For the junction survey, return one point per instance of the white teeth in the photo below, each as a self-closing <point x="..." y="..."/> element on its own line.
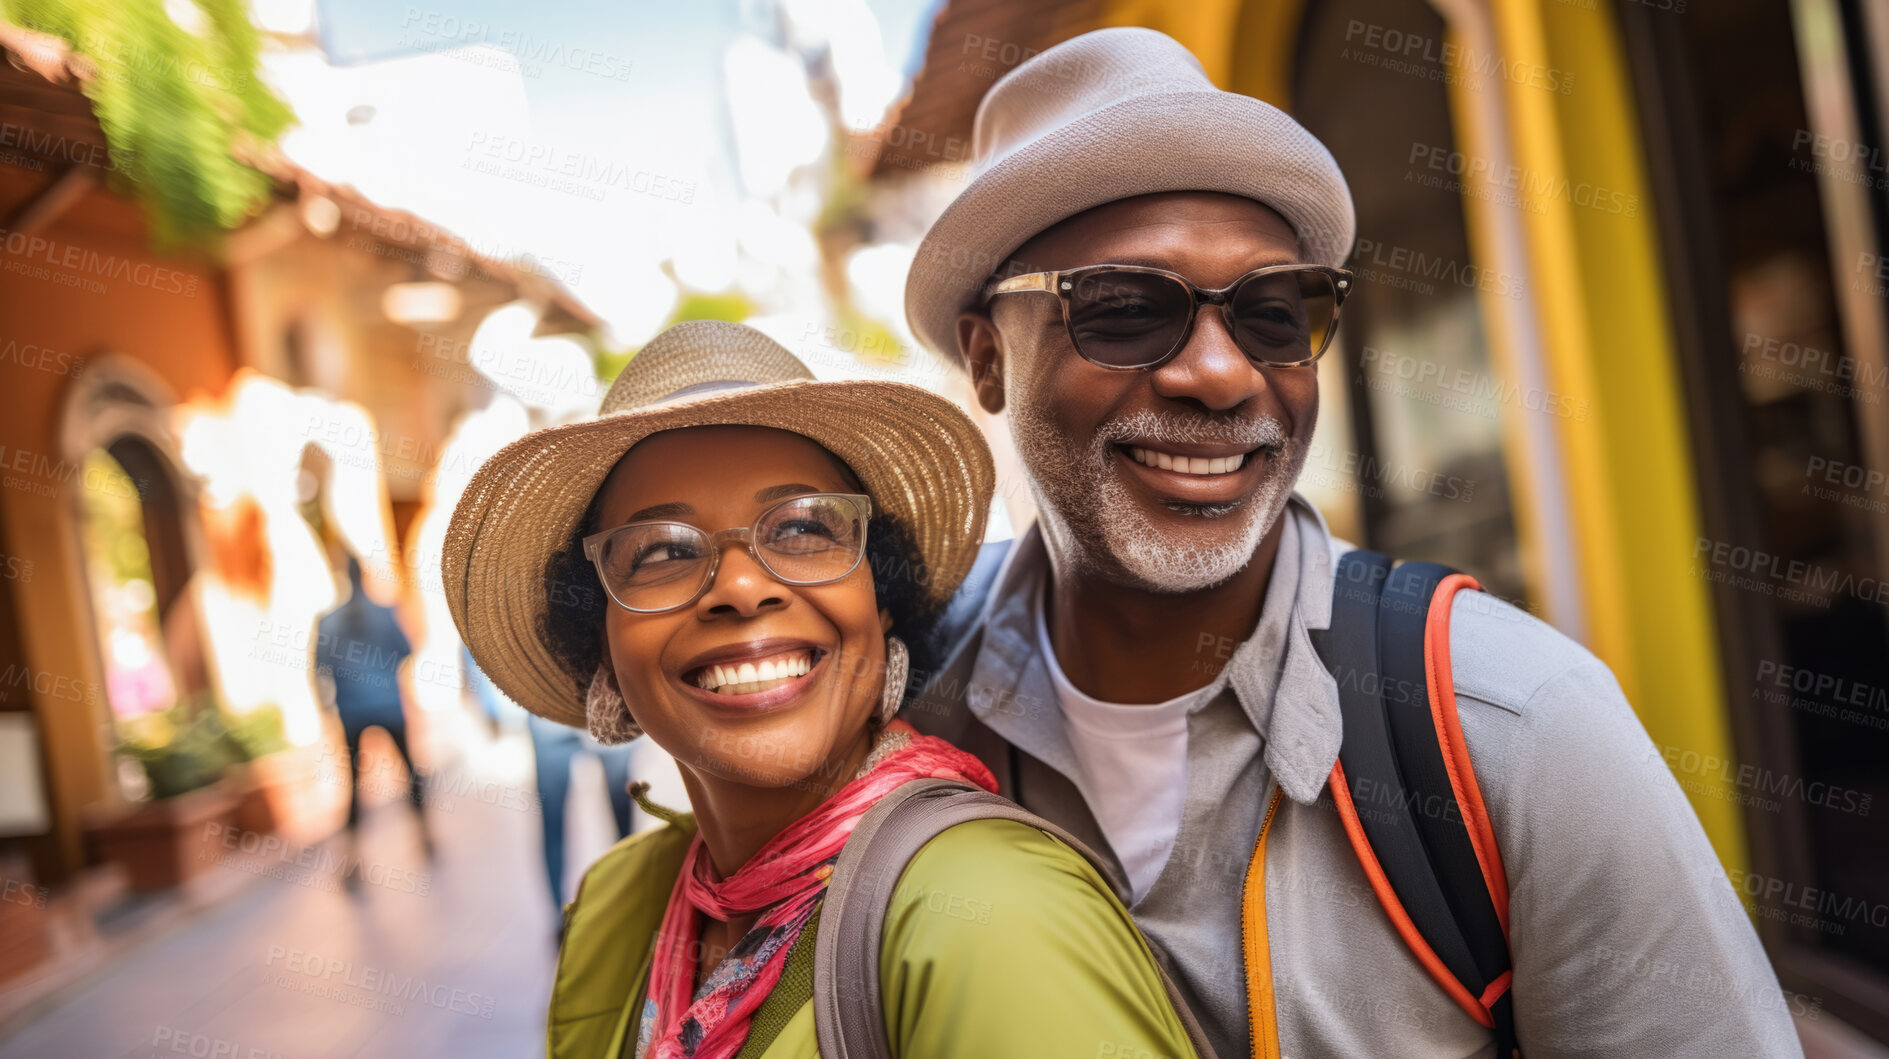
<point x="1188" y="464"/>
<point x="746" y="677"/>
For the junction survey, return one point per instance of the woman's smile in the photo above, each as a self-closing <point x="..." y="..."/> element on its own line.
<point x="753" y="675"/>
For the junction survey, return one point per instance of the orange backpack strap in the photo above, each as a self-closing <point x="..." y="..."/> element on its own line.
<point x="1404" y="785"/>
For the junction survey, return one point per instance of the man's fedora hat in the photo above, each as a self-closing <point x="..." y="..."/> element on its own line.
<point x="1110" y="115"/>
<point x="921" y="460"/>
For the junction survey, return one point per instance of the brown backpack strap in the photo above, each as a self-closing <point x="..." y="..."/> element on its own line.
<point x="848" y="1012"/>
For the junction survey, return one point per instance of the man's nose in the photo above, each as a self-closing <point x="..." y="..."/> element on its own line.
<point x="1210" y="370"/>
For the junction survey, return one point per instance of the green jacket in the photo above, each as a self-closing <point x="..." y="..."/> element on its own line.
<point x="999" y="941"/>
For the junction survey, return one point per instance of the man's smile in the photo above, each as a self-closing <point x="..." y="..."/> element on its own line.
<point x="1215" y="474"/>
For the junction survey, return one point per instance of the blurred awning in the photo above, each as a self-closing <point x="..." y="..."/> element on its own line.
<point x="973" y="43"/>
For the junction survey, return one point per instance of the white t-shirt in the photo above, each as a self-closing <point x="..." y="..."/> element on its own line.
<point x="1134" y="767"/>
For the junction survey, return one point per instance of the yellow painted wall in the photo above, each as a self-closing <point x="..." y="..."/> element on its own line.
<point x="1594" y="256"/>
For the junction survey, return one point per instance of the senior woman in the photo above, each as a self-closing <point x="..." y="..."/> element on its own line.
<point x="730" y="558"/>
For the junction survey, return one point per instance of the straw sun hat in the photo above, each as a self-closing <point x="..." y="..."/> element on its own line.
<point x="1110" y="115"/>
<point x="921" y="460"/>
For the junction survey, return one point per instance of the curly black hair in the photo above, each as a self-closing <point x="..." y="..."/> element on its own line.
<point x="571" y="624"/>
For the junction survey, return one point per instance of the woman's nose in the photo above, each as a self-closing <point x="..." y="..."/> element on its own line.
<point x="742" y="586"/>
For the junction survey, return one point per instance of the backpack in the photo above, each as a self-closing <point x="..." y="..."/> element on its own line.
<point x="1423" y="837"/>
<point x="848" y="1016"/>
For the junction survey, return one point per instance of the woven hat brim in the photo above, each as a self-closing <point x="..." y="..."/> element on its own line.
<point x="921" y="459"/>
<point x="1182" y="141"/>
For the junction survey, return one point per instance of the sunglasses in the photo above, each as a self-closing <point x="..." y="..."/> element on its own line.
<point x="657" y="566"/>
<point x="1131" y="318"/>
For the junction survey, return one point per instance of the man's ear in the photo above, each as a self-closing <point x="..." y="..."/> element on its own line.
<point x="977" y="340"/>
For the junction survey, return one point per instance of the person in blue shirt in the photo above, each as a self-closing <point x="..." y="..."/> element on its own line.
<point x="360" y="646"/>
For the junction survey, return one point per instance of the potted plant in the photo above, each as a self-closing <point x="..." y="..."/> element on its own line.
<point x="277" y="782"/>
<point x="183" y="753"/>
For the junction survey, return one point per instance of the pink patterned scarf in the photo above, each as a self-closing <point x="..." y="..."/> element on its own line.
<point x="784" y="881"/>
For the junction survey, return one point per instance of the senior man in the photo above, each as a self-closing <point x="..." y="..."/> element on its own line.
<point x="1140" y="277"/>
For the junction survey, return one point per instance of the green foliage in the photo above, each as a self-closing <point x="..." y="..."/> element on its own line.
<point x="113" y="527"/>
<point x="258" y="733"/>
<point x="733" y="307"/>
<point x="177" y="109"/>
<point x="183" y="748"/>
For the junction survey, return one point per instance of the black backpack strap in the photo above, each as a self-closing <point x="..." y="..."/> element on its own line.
<point x="848" y="1012"/>
<point x="1396" y="785"/>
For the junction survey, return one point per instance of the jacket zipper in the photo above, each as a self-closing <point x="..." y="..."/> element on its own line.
<point x="1253" y="944"/>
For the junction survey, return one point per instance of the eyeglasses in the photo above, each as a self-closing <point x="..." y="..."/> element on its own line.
<point x="1131" y="318"/>
<point x="651" y="567"/>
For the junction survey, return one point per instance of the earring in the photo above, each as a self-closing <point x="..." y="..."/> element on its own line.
<point x="898" y="664"/>
<point x="606" y="714"/>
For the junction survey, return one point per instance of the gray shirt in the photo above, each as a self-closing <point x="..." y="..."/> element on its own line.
<point x="1627" y="938"/>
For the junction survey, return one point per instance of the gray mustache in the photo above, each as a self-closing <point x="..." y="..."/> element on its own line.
<point x="1184" y="428"/>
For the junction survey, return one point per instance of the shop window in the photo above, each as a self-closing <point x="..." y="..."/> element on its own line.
<point x="1783" y="376"/>
<point x="1409" y="454"/>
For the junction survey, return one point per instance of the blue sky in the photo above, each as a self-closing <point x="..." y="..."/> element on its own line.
<point x="419" y="117"/>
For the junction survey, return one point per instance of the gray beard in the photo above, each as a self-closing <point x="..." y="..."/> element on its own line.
<point x="1093" y="524"/>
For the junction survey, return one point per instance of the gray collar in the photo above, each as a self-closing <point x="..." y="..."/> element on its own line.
<point x="1275" y="674"/>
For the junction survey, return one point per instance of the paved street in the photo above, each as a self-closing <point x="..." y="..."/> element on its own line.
<point x="448" y="957"/>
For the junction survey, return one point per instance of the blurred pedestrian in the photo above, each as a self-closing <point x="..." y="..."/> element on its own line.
<point x="360" y="647"/>
<point x="554" y="746"/>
